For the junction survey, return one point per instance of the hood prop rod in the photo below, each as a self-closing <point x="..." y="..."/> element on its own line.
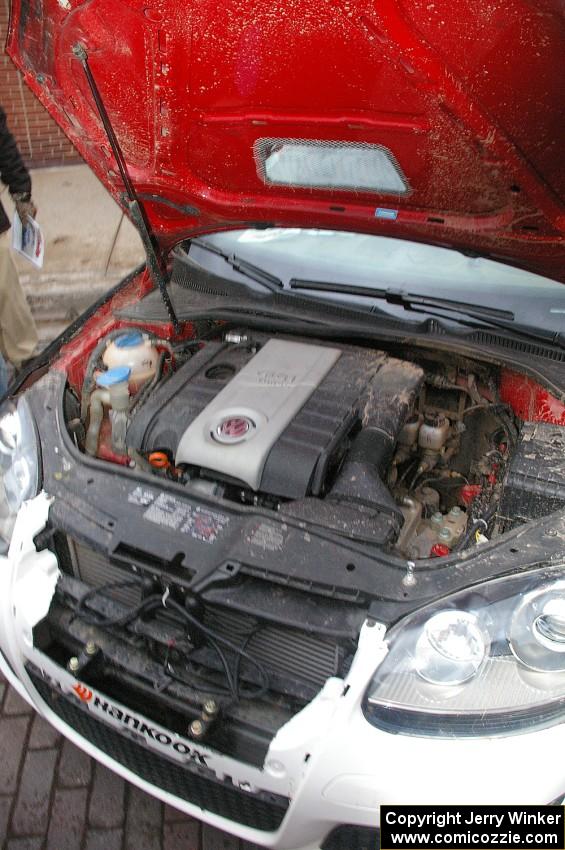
<point x="155" y="263"/>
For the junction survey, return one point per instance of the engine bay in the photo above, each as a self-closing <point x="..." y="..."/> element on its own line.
<point x="230" y="507"/>
<point x="413" y="455"/>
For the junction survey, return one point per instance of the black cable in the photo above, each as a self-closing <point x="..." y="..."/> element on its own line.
<point x="155" y="601"/>
<point x="100" y="619"/>
<point x="410" y="465"/>
<point x="239" y="651"/>
<point x="231" y="690"/>
<point x="503" y="411"/>
<point x="238" y="657"/>
<point x="193" y="682"/>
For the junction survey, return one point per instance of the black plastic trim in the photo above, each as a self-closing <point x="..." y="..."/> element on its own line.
<point x="350" y="837"/>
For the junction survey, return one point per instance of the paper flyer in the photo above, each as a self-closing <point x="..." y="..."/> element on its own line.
<point x="28" y="240"/>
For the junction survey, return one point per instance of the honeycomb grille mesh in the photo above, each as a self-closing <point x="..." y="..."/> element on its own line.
<point x="349" y="837"/>
<point x="263" y="811"/>
<point x="323" y="164"/>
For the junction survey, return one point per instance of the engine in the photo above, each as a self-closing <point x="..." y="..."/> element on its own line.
<point x="284" y="421"/>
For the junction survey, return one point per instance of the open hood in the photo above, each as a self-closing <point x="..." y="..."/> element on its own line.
<point x="423" y="119"/>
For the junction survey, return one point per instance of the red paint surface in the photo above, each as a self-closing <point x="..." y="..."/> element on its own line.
<point x="529" y="400"/>
<point x="468" y="96"/>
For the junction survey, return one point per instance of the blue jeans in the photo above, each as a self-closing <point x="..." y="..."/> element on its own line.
<point x="3" y="377"/>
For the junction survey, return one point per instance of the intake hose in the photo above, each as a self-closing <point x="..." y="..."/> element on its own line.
<point x="362" y="475"/>
<point x="389" y="401"/>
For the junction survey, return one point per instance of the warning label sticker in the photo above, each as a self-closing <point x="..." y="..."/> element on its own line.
<point x="198" y="522"/>
<point x="141" y="496"/>
<point x="267" y="537"/>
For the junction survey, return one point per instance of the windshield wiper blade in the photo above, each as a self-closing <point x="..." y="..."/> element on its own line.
<point x="250" y="270"/>
<point x="463" y="312"/>
<point x="408" y="300"/>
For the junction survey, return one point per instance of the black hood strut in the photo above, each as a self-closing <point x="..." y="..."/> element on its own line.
<point x="155" y="260"/>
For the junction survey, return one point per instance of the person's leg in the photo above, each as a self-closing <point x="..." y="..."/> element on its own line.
<point x="18" y="334"/>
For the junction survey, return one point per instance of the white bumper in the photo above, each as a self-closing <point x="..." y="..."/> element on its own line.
<point x="332" y="764"/>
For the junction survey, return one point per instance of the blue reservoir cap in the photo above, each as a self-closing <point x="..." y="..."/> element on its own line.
<point x="114" y="376"/>
<point x="129" y="340"/>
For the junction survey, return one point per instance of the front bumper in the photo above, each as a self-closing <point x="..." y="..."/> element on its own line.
<point x="326" y="767"/>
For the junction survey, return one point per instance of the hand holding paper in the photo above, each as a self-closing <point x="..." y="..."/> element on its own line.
<point x="27" y="239"/>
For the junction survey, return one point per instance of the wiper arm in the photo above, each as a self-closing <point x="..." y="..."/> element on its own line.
<point x="253" y="272"/>
<point x="408" y="300"/>
<point x="465" y="313"/>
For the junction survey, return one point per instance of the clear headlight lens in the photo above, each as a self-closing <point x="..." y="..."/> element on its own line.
<point x="19" y="464"/>
<point x="490" y="660"/>
<point x="450" y="649"/>
<point x="537" y="629"/>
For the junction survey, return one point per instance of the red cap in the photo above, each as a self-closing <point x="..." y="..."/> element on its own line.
<point x="468" y="492"/>
<point x="439" y="550"/>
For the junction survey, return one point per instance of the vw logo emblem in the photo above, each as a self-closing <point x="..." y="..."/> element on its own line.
<point x="233" y="429"/>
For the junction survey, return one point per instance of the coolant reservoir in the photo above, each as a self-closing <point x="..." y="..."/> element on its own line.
<point x="134" y="350"/>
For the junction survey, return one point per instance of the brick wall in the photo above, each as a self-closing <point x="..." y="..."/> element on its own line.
<point x="39" y="139"/>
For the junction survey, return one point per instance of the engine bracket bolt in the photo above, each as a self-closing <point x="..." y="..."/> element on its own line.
<point x="197" y="729"/>
<point x="210" y="708"/>
<point x="73" y="664"/>
<point x="409" y="578"/>
<point x="91" y="648"/>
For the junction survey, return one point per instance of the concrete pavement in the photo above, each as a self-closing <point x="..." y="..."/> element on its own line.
<point x="88" y="247"/>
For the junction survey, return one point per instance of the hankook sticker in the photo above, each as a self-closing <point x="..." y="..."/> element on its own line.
<point x="198" y="522"/>
<point x="141" y="728"/>
<point x="134" y="725"/>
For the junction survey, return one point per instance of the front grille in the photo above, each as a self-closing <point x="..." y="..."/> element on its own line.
<point x="349" y="837"/>
<point x="288" y="653"/>
<point x="263" y="811"/>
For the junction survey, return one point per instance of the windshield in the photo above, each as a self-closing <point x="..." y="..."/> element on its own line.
<point x="385" y="263"/>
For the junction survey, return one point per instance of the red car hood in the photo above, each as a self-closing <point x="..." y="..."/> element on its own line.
<point x="449" y="118"/>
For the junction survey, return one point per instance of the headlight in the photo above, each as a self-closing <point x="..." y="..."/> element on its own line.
<point x="450" y="649"/>
<point x="19" y="464"/>
<point x="486" y="661"/>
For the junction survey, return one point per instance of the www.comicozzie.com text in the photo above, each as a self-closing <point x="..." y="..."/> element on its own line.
<point x="485" y="829"/>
